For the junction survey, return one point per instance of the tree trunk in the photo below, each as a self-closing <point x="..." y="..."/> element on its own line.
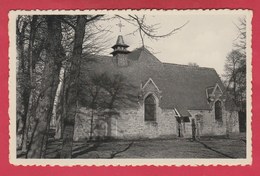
<point x="30" y="92"/>
<point x="50" y="81"/>
<point x="91" y="124"/>
<point x="63" y="101"/>
<point x="73" y="86"/>
<point x="21" y="76"/>
<point x="58" y="108"/>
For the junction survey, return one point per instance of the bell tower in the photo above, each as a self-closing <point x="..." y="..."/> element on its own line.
<point x="120" y="52"/>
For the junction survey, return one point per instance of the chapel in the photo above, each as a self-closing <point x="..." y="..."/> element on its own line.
<point x="166" y="99"/>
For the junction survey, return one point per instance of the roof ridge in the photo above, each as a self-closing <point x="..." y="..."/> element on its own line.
<point x="184" y="65"/>
<point x="98" y="55"/>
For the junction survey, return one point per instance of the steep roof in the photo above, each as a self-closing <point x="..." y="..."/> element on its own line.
<point x="187" y="86"/>
<point x="182" y="87"/>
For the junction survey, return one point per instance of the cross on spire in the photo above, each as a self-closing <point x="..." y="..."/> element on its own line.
<point x="120" y="25"/>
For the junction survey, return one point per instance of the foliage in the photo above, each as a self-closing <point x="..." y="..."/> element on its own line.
<point x="193" y="64"/>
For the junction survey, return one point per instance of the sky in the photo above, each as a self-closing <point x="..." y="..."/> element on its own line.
<point x="205" y="40"/>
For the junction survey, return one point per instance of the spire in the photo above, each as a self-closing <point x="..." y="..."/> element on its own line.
<point x="120" y="46"/>
<point x="120" y="52"/>
<point x="120" y="41"/>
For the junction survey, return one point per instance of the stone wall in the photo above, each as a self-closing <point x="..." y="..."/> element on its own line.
<point x="208" y="126"/>
<point x="131" y="124"/>
<point x="233" y="120"/>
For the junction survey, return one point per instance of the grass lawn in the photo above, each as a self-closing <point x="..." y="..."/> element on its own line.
<point x="156" y="148"/>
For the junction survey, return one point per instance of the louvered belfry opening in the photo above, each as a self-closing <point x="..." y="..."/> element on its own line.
<point x="150" y="108"/>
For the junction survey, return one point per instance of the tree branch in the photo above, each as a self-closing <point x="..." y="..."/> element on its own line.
<point x="92" y="18"/>
<point x="68" y="22"/>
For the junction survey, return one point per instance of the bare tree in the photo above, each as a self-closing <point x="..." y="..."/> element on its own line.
<point x="120" y="93"/>
<point x="50" y="79"/>
<point x="31" y="79"/>
<point x="235" y="67"/>
<point x="22" y="74"/>
<point x="73" y="84"/>
<point x="31" y="39"/>
<point x="148" y="30"/>
<point x="106" y="94"/>
<point x="235" y="73"/>
<point x="235" y="70"/>
<point x="91" y="92"/>
<point x="240" y="41"/>
<point x="44" y="42"/>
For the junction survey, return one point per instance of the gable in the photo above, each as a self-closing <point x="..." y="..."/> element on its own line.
<point x="214" y="92"/>
<point x="217" y="90"/>
<point x="150" y="86"/>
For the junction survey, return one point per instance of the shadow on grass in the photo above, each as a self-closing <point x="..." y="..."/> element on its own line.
<point x="85" y="149"/>
<point x="113" y="154"/>
<point x="208" y="147"/>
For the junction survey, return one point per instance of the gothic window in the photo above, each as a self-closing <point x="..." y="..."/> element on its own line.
<point x="218" y="111"/>
<point x="150" y="108"/>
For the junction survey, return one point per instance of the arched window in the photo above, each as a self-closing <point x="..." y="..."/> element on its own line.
<point x="149" y="108"/>
<point x="218" y="111"/>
